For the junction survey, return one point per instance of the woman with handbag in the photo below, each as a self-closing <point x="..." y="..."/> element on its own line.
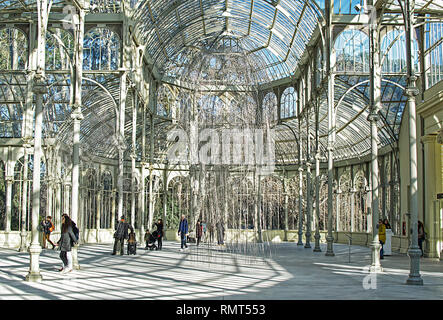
<point x="67" y="238"/>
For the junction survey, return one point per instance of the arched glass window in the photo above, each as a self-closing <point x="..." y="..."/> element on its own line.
<point x="352" y="51"/>
<point x="11" y="117"/>
<point x="164" y="101"/>
<point x="288" y="103"/>
<point x="393" y="52"/>
<point x="59" y="49"/>
<point x="211" y="107"/>
<point x="101" y="50"/>
<point x="106" y="201"/>
<point x="90" y="200"/>
<point x="13" y="49"/>
<point x="270" y="108"/>
<point x="183" y="106"/>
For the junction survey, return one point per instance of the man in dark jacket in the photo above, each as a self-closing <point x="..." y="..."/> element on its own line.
<point x="183" y="231"/>
<point x="121" y="233"/>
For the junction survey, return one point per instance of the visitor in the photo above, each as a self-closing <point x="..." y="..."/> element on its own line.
<point x="183" y="232"/>
<point x="121" y="234"/>
<point x="381" y="236"/>
<point x="74" y="227"/>
<point x="159" y="226"/>
<point x="198" y="231"/>
<point x="147" y="235"/>
<point x="47" y="228"/>
<point x="220" y="233"/>
<point x="386" y="223"/>
<point x="67" y="238"/>
<point x="421" y="236"/>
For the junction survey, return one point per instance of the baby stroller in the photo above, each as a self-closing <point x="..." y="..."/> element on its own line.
<point x="132" y="244"/>
<point x="150" y="244"/>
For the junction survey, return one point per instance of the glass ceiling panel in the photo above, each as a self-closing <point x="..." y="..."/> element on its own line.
<point x="278" y="31"/>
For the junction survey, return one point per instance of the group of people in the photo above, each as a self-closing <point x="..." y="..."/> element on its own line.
<point x="68" y="238"/>
<point x="199" y="232"/>
<point x="384" y="224"/>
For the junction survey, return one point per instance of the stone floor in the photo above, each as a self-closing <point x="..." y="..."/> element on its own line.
<point x="270" y="271"/>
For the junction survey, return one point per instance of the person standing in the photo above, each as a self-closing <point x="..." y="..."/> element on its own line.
<point x="220" y="233"/>
<point x="387" y="224"/>
<point x="183" y="232"/>
<point x="198" y="231"/>
<point x="159" y="226"/>
<point x="47" y="228"/>
<point x="67" y="239"/>
<point x="381" y="236"/>
<point x="421" y="236"/>
<point x="121" y="233"/>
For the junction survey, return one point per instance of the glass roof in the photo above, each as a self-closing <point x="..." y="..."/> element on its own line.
<point x="276" y="32"/>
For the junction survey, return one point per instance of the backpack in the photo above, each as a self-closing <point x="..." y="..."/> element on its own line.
<point x="75" y="231"/>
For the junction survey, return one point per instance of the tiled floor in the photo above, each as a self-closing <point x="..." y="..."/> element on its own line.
<point x="269" y="271"/>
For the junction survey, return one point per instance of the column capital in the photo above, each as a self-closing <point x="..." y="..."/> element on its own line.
<point x="9" y="179"/>
<point x="411" y="91"/>
<point x="373" y="117"/>
<point x="77" y="114"/>
<point x="429" y="138"/>
<point x="300" y="169"/>
<point x="39" y="84"/>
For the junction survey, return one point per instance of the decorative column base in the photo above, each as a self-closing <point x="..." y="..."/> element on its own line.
<point x="34" y="270"/>
<point x="308" y="244"/>
<point x="74" y="252"/>
<point x="414" y="276"/>
<point x="317" y="243"/>
<point x="376" y="266"/>
<point x="329" y="251"/>
<point x="300" y="239"/>
<point x="23" y="247"/>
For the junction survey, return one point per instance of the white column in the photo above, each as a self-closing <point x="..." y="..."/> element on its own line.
<point x="35" y="248"/>
<point x="432" y="221"/>
<point x="309" y="204"/>
<point x="23" y="231"/>
<point x="75" y="176"/>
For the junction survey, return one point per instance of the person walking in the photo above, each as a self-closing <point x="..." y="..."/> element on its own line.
<point x="67" y="239"/>
<point x="198" y="231"/>
<point x="381" y="236"/>
<point x="159" y="226"/>
<point x="47" y="228"/>
<point x="421" y="236"/>
<point x="183" y="232"/>
<point x="121" y="234"/>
